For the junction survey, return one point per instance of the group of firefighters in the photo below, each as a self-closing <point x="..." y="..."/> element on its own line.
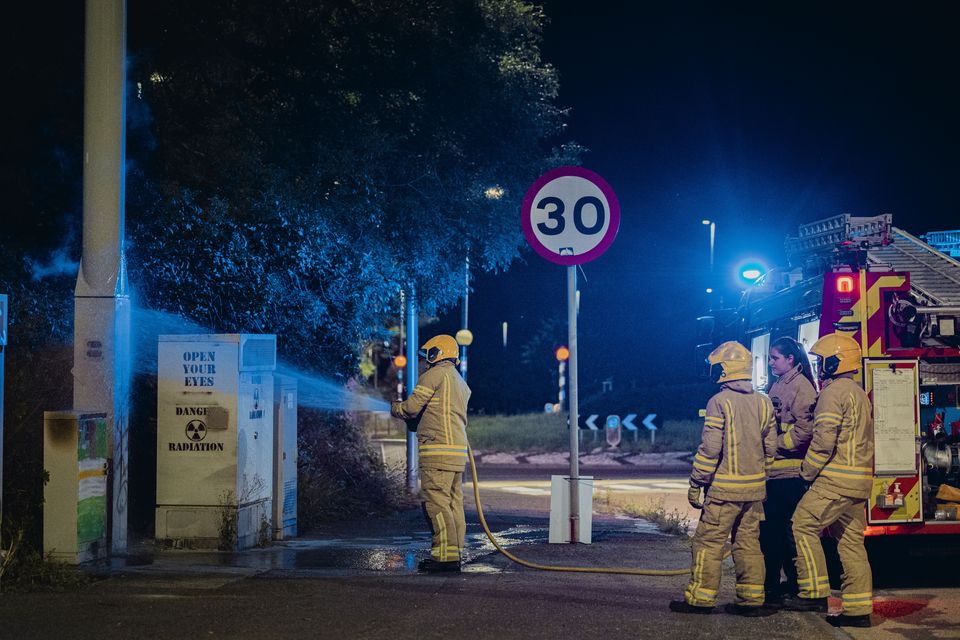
<point x="777" y="470"/>
<point x="772" y="472"/>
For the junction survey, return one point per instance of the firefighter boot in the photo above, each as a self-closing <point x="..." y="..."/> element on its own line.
<point x="681" y="606"/>
<point x="749" y="611"/>
<point x="791" y="602"/>
<point x="434" y="566"/>
<point x="844" y="620"/>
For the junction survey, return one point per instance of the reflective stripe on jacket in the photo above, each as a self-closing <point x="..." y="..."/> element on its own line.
<point x="840" y="457"/>
<point x="793" y="400"/>
<point x="739" y="439"/>
<point x="439" y="400"/>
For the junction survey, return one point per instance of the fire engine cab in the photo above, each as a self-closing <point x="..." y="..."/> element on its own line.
<point x="899" y="297"/>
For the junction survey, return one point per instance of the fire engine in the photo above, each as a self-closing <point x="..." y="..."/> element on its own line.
<point x="899" y="297"/>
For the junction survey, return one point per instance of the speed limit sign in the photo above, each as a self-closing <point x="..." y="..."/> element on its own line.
<point x="570" y="215"/>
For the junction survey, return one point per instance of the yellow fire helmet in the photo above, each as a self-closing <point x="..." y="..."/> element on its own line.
<point x="735" y="363"/>
<point x="839" y="352"/>
<point x="442" y="347"/>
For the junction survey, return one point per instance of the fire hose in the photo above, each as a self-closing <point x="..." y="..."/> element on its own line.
<point x="549" y="567"/>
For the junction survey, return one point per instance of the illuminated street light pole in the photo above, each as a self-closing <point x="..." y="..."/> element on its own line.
<point x="713" y="233"/>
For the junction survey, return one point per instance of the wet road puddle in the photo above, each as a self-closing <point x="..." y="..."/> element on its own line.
<point x="398" y="555"/>
<point x="392" y="554"/>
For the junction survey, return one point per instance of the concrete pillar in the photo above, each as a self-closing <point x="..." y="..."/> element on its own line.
<point x="102" y="353"/>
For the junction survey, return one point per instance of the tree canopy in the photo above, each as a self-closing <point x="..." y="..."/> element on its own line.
<point x="299" y="162"/>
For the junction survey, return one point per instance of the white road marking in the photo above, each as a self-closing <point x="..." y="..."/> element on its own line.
<point x="626" y="487"/>
<point x="529" y="491"/>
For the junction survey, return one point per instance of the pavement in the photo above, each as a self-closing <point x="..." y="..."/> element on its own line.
<point x="358" y="580"/>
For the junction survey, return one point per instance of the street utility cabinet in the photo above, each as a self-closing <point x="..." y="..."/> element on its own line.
<point x="75" y="497"/>
<point x="215" y="432"/>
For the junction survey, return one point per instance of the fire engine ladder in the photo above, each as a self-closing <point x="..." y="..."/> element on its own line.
<point x="934" y="276"/>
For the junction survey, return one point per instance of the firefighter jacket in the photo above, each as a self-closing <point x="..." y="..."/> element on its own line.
<point x="793" y="398"/>
<point x="739" y="440"/>
<point x="840" y="457"/>
<point x="440" y="402"/>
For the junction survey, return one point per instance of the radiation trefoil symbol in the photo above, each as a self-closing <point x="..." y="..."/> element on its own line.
<point x="196" y="430"/>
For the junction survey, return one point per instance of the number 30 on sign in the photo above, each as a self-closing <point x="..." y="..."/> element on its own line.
<point x="570" y="215"/>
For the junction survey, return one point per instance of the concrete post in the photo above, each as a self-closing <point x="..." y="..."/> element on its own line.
<point x="3" y="347"/>
<point x="102" y="354"/>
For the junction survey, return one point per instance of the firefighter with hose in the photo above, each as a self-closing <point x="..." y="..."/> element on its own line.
<point x="437" y="410"/>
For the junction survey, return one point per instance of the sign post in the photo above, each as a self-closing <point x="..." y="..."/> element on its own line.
<point x="570" y="216"/>
<point x="613" y="430"/>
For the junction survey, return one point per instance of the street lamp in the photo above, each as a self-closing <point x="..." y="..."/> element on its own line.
<point x="713" y="235"/>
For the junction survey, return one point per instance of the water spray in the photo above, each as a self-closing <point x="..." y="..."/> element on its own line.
<point x="315" y="391"/>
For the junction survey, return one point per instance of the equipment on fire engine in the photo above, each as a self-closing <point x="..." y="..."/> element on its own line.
<point x="906" y="323"/>
<point x="890" y="499"/>
<point x="839" y="352"/>
<point x="948" y="506"/>
<point x="732" y="361"/>
<point x="941" y="457"/>
<point x="442" y="347"/>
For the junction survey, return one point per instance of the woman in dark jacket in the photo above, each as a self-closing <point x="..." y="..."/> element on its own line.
<point x="793" y="395"/>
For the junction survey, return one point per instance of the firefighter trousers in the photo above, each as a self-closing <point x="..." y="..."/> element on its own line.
<point x="441" y="493"/>
<point x="718" y="521"/>
<point x="844" y="519"/>
<point x="776" y="537"/>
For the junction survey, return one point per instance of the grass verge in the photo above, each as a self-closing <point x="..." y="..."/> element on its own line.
<point x="670" y="521"/>
<point x="546" y="432"/>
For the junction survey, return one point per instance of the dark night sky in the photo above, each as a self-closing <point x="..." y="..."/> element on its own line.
<point x="759" y="116"/>
<point x="756" y="115"/>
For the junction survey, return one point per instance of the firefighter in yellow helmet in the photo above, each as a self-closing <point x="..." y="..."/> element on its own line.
<point x="437" y="410"/>
<point x="839" y="464"/>
<point x="739" y="440"/>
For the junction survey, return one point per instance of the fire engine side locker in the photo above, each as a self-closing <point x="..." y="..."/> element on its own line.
<point x="894" y="389"/>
